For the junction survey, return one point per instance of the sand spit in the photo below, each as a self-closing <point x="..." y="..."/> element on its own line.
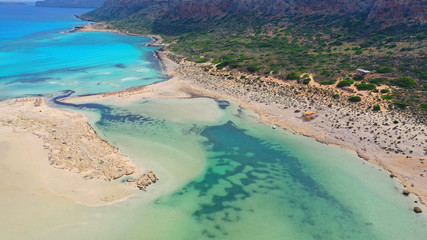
<point x="67" y="143"/>
<point x="393" y="140"/>
<point x="105" y="27"/>
<point x="71" y="142"/>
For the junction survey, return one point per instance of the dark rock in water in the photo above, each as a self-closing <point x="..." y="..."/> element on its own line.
<point x="392" y="175"/>
<point x="405" y="192"/>
<point x="418" y="210"/>
<point x="120" y="65"/>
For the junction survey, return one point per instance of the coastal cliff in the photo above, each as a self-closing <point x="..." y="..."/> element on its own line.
<point x="376" y="12"/>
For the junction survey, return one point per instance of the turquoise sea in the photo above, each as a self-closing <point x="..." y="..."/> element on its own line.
<point x="41" y="58"/>
<point x="222" y="174"/>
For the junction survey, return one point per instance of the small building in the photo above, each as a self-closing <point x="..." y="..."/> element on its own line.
<point x="362" y="72"/>
<point x="309" y="115"/>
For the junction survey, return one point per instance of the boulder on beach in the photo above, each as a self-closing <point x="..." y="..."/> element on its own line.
<point x="405" y="192"/>
<point x="418" y="210"/>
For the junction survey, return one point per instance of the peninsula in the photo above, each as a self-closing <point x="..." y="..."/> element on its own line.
<point x="64" y="140"/>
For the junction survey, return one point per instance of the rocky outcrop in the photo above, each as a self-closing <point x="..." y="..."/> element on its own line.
<point x="146" y="180"/>
<point x="418" y="210"/>
<point x="393" y="12"/>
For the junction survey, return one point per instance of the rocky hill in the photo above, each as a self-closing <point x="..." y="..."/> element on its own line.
<point x="71" y="3"/>
<point x="382" y="13"/>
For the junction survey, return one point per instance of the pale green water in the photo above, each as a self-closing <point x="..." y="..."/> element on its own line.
<point x="224" y="176"/>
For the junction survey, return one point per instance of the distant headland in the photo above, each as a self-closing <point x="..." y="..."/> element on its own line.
<point x="71" y="4"/>
<point x="12" y="4"/>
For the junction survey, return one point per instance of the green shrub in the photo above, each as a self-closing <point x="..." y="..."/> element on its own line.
<point x="345" y="83"/>
<point x="376" y="108"/>
<point x="358" y="77"/>
<point x="425" y="86"/>
<point x="216" y="61"/>
<point x="384" y="70"/>
<point x="423" y="75"/>
<point x="253" y="69"/>
<point x="221" y="65"/>
<point x="378" y="81"/>
<point x="306" y="81"/>
<point x="325" y="73"/>
<point x="337" y="43"/>
<point x="423" y="105"/>
<point x="385" y="90"/>
<point x="363" y="86"/>
<point x="336" y="96"/>
<point x="387" y="97"/>
<point x="293" y="76"/>
<point x="355" y="99"/>
<point x="405" y="82"/>
<point x="202" y="60"/>
<point x="401" y="105"/>
<point x="329" y="82"/>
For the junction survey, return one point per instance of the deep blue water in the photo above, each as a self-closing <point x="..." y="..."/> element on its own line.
<point x="29" y="22"/>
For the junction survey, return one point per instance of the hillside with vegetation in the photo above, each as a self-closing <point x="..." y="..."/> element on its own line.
<point x="326" y="39"/>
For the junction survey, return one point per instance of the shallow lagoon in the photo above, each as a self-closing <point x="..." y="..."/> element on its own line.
<point x="222" y="174"/>
<point x="233" y="178"/>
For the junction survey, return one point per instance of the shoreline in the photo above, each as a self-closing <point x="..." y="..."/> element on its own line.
<point x="72" y="161"/>
<point x="189" y="79"/>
